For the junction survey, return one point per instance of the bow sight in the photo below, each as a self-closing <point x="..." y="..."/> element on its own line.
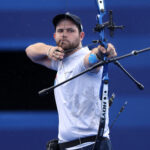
<point x="109" y="25"/>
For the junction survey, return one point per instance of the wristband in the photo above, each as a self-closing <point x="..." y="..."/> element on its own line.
<point x="93" y="59"/>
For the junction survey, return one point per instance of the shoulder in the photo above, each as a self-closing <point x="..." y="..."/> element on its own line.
<point x="84" y="50"/>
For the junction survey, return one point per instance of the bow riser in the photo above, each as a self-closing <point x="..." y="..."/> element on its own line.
<point x="101" y="8"/>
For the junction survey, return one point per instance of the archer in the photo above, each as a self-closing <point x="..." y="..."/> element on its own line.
<point x="77" y="101"/>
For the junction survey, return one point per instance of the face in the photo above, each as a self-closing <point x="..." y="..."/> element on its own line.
<point x="67" y="35"/>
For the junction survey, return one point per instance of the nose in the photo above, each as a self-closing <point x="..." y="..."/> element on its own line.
<point x="64" y="33"/>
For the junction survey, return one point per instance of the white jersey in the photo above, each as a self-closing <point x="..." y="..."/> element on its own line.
<point x="78" y="103"/>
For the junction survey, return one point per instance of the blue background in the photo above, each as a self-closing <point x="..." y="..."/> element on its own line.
<point x="24" y="22"/>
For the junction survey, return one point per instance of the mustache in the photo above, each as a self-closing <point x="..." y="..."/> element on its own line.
<point x="60" y="42"/>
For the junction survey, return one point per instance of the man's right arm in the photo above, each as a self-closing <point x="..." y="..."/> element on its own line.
<point x="41" y="53"/>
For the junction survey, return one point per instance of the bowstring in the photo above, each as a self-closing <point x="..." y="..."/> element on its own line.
<point x="66" y="10"/>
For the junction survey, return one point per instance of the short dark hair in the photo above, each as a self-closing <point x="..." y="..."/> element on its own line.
<point x="69" y="16"/>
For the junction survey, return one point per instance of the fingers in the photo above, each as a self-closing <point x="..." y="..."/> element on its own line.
<point x="110" y="52"/>
<point x="57" y="53"/>
<point x="102" y="49"/>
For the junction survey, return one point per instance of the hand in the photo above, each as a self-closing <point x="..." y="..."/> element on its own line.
<point x="56" y="53"/>
<point x="110" y="52"/>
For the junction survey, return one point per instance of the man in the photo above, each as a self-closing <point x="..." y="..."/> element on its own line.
<point x="77" y="101"/>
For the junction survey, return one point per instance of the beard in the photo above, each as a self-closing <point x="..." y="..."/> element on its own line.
<point x="67" y="45"/>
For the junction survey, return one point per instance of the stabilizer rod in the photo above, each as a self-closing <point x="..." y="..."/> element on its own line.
<point x="133" y="53"/>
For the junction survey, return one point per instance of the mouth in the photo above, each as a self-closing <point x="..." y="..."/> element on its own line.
<point x="63" y="42"/>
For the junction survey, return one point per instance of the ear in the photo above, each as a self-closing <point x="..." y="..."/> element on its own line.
<point x="82" y="34"/>
<point x="54" y="35"/>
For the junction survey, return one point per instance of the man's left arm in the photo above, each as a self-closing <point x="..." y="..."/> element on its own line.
<point x="97" y="53"/>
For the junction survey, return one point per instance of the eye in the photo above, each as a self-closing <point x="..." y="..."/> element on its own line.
<point x="70" y="30"/>
<point x="60" y="30"/>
